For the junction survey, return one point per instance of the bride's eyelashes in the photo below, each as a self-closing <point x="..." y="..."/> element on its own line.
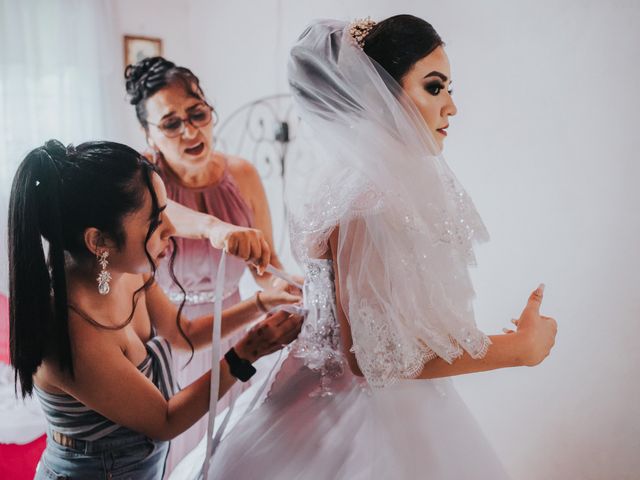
<point x="434" y="88"/>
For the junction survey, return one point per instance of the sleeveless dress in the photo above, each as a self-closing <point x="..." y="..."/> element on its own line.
<point x="320" y="422"/>
<point x="102" y="448"/>
<point x="195" y="267"/>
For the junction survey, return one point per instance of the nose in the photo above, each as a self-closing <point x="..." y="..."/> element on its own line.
<point x="449" y="109"/>
<point x="189" y="130"/>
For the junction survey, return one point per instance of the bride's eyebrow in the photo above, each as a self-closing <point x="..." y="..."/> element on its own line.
<point x="442" y="76"/>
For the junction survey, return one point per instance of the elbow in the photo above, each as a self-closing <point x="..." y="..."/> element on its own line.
<point x="158" y="433"/>
<point x="178" y="339"/>
<point x="354" y="367"/>
<point x="352" y="361"/>
<point x="162" y="431"/>
<point x="161" y="436"/>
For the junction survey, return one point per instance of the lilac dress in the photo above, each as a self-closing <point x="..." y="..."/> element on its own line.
<point x="195" y="266"/>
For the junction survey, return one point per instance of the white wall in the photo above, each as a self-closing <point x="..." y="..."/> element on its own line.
<point x="545" y="142"/>
<point x="168" y="20"/>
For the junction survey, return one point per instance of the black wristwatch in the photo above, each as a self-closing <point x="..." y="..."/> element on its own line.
<point x="239" y="367"/>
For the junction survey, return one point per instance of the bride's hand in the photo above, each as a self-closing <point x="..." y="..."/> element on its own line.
<point x="536" y="332"/>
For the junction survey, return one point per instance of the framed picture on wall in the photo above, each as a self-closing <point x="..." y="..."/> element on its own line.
<point x="136" y="48"/>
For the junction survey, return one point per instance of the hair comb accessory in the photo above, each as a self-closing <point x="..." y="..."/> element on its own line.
<point x="360" y="28"/>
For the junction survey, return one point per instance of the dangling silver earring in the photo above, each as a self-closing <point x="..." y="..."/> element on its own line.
<point x="104" y="277"/>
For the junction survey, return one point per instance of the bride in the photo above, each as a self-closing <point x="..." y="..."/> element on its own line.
<point x="385" y="236"/>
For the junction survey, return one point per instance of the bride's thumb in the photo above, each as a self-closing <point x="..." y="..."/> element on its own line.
<point x="535" y="299"/>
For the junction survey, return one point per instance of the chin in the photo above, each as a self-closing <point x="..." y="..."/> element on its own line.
<point x="193" y="160"/>
<point x="200" y="159"/>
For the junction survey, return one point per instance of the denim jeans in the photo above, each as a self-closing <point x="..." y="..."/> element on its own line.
<point x="123" y="454"/>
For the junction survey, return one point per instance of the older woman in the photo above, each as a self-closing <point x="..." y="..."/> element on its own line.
<point x="178" y="123"/>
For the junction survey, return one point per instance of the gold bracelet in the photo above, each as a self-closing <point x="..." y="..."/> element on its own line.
<point x="259" y="303"/>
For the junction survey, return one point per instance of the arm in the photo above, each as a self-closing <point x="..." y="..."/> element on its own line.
<point x="529" y="345"/>
<point x="107" y="382"/>
<point x="247" y="243"/>
<point x="504" y="352"/>
<point x="190" y="223"/>
<point x="345" y="328"/>
<point x="163" y="314"/>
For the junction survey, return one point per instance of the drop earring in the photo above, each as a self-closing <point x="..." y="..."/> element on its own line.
<point x="104" y="277"/>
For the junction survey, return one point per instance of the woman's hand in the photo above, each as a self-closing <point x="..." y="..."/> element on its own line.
<point x="274" y="298"/>
<point x="282" y="294"/>
<point x="249" y="244"/>
<point x="280" y="284"/>
<point x="536" y="332"/>
<point x="271" y="334"/>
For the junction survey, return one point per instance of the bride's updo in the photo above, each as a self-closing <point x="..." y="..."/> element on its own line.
<point x="398" y="42"/>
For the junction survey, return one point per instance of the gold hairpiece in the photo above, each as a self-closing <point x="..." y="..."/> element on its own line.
<point x="360" y="28"/>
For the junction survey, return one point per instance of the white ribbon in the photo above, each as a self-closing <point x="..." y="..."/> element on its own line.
<point x="213" y="442"/>
<point x="215" y="364"/>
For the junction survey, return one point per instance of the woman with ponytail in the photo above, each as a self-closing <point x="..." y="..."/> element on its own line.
<point x="91" y="333"/>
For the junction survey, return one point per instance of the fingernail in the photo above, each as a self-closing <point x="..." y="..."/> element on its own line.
<point x="540" y="289"/>
<point x="505" y="330"/>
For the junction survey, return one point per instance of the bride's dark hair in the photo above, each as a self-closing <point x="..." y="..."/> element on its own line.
<point x="398" y="42"/>
<point x="57" y="194"/>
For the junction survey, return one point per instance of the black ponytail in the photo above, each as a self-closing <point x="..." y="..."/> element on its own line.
<point x="34" y="212"/>
<point x="58" y="193"/>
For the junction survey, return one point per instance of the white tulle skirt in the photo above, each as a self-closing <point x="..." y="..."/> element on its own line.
<point x="416" y="429"/>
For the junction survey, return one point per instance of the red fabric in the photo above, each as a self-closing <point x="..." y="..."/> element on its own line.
<point x="4" y="330"/>
<point x="18" y="462"/>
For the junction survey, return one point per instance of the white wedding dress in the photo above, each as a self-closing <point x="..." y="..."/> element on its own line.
<point x="404" y="241"/>
<point x="320" y="422"/>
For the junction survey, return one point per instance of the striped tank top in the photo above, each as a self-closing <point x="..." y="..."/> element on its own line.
<point x="70" y="417"/>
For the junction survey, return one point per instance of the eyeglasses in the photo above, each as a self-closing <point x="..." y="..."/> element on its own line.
<point x="174" y="126"/>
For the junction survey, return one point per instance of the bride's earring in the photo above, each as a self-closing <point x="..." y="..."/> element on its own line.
<point x="104" y="277"/>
